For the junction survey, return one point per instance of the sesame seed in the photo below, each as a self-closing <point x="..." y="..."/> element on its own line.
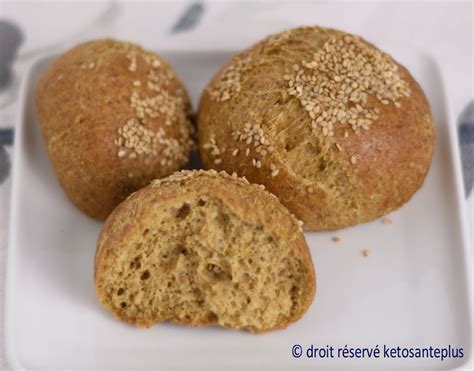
<point x="229" y="81"/>
<point x="310" y="190"/>
<point x="137" y="140"/>
<point x="353" y="160"/>
<point x="275" y="173"/>
<point x="217" y="161"/>
<point x="225" y="96"/>
<point x="132" y="56"/>
<point x="365" y="253"/>
<point x="137" y="83"/>
<point x="386" y="221"/>
<point x="254" y="139"/>
<point x="336" y="239"/>
<point x="344" y="70"/>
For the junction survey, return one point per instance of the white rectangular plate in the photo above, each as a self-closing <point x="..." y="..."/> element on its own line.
<point x="412" y="289"/>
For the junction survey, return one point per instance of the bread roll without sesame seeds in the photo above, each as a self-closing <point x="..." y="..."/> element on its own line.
<point x="333" y="126"/>
<point x="204" y="248"/>
<point x="113" y="117"/>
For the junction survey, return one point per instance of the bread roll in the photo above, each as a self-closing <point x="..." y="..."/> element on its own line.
<point x="333" y="126"/>
<point x="113" y="117"/>
<point x="203" y="248"/>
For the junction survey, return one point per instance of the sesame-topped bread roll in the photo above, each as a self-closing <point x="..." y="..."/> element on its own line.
<point x="204" y="248"/>
<point x="113" y="117"/>
<point x="333" y="126"/>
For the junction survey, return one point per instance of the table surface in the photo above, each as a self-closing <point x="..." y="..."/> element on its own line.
<point x="443" y="29"/>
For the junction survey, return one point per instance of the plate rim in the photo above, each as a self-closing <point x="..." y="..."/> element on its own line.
<point x="20" y="118"/>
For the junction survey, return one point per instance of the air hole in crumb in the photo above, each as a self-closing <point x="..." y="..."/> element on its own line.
<point x="248" y="300"/>
<point x="145" y="232"/>
<point x="145" y="275"/>
<point x="322" y="166"/>
<point x="183" y="211"/>
<point x="135" y="263"/>
<point x="180" y="250"/>
<point x="201" y="202"/>
<point x="123" y="304"/>
<point x="217" y="272"/>
<point x="289" y="147"/>
<point x="212" y="317"/>
<point x="270" y="239"/>
<point x="223" y="219"/>
<point x="250" y="260"/>
<point x="294" y="293"/>
<point x="120" y="291"/>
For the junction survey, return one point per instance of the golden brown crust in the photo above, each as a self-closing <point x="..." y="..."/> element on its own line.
<point x="315" y="178"/>
<point x="248" y="201"/>
<point x="84" y="99"/>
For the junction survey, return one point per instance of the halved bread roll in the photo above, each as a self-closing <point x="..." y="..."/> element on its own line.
<point x="203" y="248"/>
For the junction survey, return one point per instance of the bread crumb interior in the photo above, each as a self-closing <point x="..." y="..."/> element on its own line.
<point x="198" y="262"/>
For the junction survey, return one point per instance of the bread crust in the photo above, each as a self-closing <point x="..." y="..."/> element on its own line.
<point x="84" y="99"/>
<point x="248" y="201"/>
<point x="316" y="180"/>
